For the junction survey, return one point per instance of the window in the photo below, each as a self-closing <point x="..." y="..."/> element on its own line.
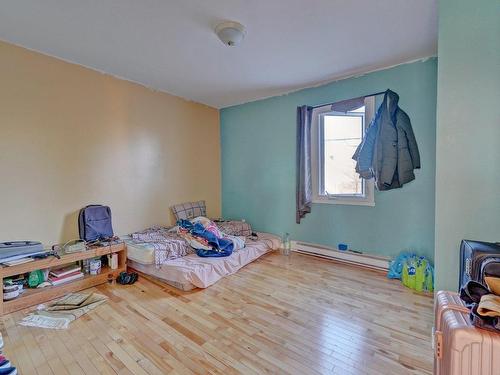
<point x="336" y="135"/>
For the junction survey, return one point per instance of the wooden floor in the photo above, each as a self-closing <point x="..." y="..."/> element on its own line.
<point x="297" y="315"/>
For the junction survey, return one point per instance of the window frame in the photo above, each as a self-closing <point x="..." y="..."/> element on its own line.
<point x="317" y="161"/>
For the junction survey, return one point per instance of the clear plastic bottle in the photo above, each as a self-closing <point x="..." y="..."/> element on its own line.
<point x="286" y="244"/>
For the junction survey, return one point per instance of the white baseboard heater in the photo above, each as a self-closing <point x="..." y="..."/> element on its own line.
<point x="351" y="257"/>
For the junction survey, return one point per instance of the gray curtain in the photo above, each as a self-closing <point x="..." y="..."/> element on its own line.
<point x="304" y="180"/>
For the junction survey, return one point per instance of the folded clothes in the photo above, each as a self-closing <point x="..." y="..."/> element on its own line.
<point x="489" y="305"/>
<point x="484" y="322"/>
<point x="472" y="292"/>
<point x="484" y="306"/>
<point x="493" y="284"/>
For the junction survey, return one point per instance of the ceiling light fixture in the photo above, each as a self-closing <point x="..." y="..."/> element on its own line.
<point x="230" y="33"/>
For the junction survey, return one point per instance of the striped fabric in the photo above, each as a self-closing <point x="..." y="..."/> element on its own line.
<point x="168" y="245"/>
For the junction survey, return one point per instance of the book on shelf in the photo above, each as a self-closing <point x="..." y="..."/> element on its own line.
<point x="66" y="278"/>
<point x="59" y="272"/>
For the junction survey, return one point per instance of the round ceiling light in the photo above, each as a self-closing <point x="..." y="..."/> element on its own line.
<point x="230" y="33"/>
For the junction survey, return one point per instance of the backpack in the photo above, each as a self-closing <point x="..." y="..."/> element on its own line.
<point x="94" y="223"/>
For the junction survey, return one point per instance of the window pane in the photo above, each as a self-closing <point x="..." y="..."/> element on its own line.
<point x="342" y="135"/>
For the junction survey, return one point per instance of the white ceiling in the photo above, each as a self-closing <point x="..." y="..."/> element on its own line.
<point x="169" y="45"/>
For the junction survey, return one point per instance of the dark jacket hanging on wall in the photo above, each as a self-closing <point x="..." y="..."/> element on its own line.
<point x="389" y="151"/>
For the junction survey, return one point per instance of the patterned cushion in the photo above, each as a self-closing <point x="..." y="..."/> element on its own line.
<point x="189" y="210"/>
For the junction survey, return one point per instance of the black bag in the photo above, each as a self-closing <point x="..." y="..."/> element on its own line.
<point x="478" y="259"/>
<point x="94" y="223"/>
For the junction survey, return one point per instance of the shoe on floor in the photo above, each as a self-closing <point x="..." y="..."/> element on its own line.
<point x="126" y="278"/>
<point x="133" y="277"/>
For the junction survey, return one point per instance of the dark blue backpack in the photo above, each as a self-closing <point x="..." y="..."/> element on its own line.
<point x="94" y="223"/>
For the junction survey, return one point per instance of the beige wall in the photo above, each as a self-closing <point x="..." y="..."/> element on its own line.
<point x="71" y="136"/>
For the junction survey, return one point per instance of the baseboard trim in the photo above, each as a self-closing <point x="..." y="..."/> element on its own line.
<point x="376" y="262"/>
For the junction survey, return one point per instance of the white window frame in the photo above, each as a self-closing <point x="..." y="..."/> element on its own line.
<point x="368" y="198"/>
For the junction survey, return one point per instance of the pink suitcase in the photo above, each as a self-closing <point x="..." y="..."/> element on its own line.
<point x="459" y="347"/>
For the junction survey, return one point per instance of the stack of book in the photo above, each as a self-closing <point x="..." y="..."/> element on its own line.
<point x="65" y="274"/>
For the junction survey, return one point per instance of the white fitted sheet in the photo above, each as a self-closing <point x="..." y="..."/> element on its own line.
<point x="203" y="272"/>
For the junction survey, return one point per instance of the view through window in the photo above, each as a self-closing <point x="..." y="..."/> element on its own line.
<point x="340" y="135"/>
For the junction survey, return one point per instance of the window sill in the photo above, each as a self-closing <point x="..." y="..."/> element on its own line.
<point x="344" y="201"/>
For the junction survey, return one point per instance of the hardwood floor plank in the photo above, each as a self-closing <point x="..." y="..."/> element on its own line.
<point x="278" y="315"/>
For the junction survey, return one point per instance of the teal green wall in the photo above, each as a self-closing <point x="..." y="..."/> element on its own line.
<point x="468" y="130"/>
<point x="258" y="168"/>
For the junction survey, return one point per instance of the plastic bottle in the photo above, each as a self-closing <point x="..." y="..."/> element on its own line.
<point x="286" y="244"/>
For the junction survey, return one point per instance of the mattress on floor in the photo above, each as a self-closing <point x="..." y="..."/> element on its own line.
<point x="192" y="271"/>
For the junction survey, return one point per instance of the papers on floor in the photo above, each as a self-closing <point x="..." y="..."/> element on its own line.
<point x="59" y="314"/>
<point x="41" y="321"/>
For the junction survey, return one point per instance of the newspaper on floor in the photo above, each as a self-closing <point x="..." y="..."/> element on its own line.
<point x="40" y="321"/>
<point x="60" y="313"/>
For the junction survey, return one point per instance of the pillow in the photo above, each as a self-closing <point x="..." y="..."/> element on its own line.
<point x="189" y="210"/>
<point x="235" y="228"/>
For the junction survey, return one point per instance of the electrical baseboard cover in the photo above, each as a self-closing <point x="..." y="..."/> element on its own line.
<point x="360" y="259"/>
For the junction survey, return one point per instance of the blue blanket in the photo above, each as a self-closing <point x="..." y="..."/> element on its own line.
<point x="221" y="247"/>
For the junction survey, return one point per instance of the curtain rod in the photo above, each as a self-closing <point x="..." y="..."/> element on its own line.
<point x="362" y="96"/>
